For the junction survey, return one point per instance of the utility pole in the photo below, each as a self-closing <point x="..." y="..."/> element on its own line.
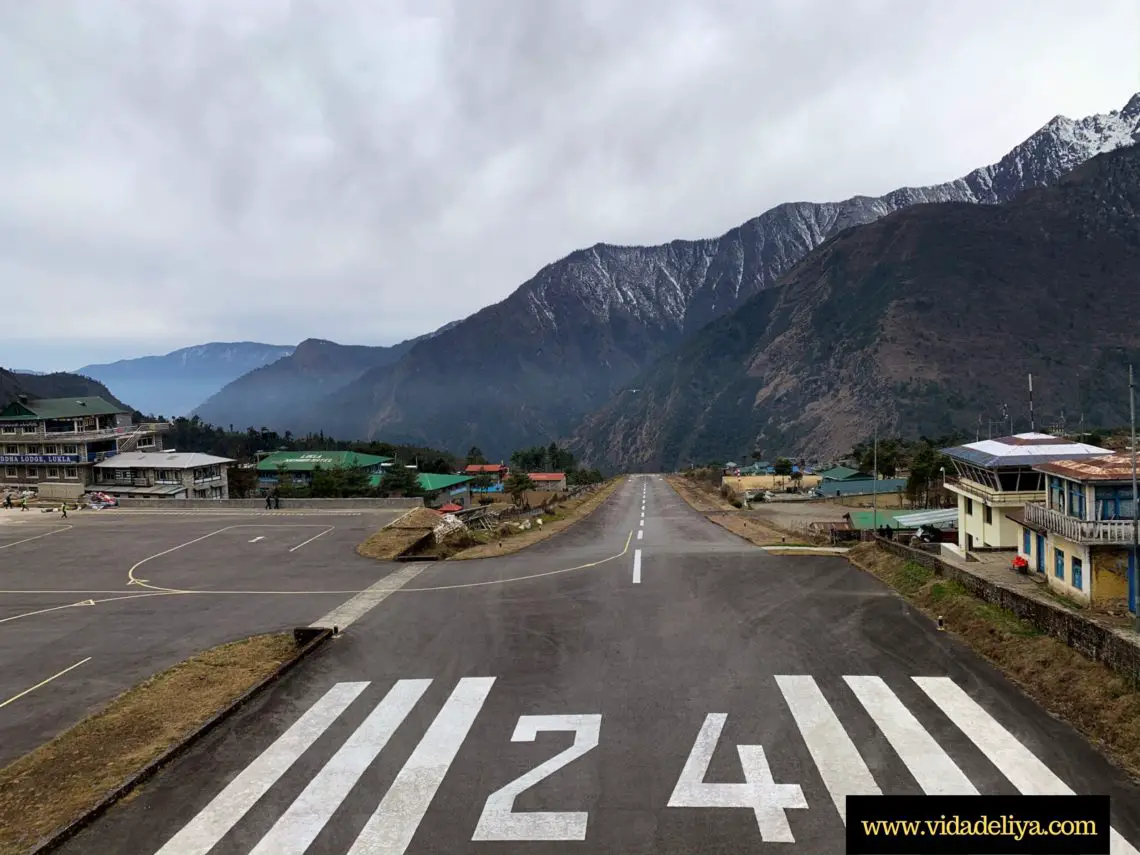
<point x="1135" y="503"/>
<point x="875" y="482"/>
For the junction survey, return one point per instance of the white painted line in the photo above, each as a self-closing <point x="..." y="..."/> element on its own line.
<point x="935" y="772"/>
<point x="1019" y="765"/>
<point x="642" y="523"/>
<point x="637" y="566"/>
<point x="37" y="537"/>
<point x="295" y="831"/>
<point x="391" y="828"/>
<point x="43" y="683"/>
<point x="311" y="539"/>
<point x="842" y="768"/>
<point x="259" y="537"/>
<point x="354" y="609"/>
<point x="640" y="532"/>
<point x="214" y="821"/>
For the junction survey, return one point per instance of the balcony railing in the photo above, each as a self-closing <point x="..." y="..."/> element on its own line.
<point x="992" y="496"/>
<point x="1104" y="532"/>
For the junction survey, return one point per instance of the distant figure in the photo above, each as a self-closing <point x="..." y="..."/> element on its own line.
<point x="23" y="503"/>
<point x="277" y="501"/>
<point x="268" y="502"/>
<point x="8" y="501"/>
<point x="63" y="509"/>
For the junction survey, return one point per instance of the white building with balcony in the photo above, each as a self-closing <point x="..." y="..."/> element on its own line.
<point x="1080" y="536"/>
<point x="51" y="445"/>
<point x="163" y="475"/>
<point x="996" y="477"/>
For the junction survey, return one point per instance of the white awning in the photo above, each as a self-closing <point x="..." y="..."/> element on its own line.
<point x="920" y="518"/>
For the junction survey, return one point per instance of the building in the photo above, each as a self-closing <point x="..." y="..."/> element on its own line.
<point x="497" y="472"/>
<point x="440" y="489"/>
<point x="297" y="467"/>
<point x="1080" y="536"/>
<point x="864" y="486"/>
<point x="163" y="475"/>
<point x="51" y="445"/>
<point x="554" y="482"/>
<point x="994" y="477"/>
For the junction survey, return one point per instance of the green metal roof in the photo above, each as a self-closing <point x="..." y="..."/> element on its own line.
<point x="864" y="520"/>
<point x="59" y="408"/>
<point x="842" y="473"/>
<point x="307" y="461"/>
<point x="430" y="482"/>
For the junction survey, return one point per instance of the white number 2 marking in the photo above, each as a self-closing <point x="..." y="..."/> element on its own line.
<point x="499" y="820"/>
<point x="760" y="792"/>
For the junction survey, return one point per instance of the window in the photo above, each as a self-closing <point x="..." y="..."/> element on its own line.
<point x="1058" y="563"/>
<point x="53" y="473"/>
<point x="10" y="471"/>
<point x="1026" y="542"/>
<point x="1056" y="494"/>
<point x="33" y="472"/>
<point x="1076" y="500"/>
<point x="50" y="449"/>
<point x="970" y="507"/>
<point x="989" y="515"/>
<point x="71" y="449"/>
<point x="70" y="472"/>
<point x="146" y="442"/>
<point x="34" y="449"/>
<point x="8" y="429"/>
<point x="1077" y="574"/>
<point x="1113" y="503"/>
<point x="11" y="449"/>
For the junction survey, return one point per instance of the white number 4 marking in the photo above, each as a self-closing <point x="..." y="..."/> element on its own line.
<point x="760" y="792"/>
<point x="499" y="820"/>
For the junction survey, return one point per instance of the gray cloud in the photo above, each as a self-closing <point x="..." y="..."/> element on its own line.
<point x="179" y="172"/>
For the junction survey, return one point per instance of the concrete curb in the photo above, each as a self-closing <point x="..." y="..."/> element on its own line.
<point x="60" y="836"/>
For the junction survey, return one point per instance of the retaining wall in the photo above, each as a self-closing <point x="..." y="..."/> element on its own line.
<point x="286" y="504"/>
<point x="1101" y="643"/>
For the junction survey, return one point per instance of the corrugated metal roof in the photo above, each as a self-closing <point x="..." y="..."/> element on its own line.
<point x="861" y="487"/>
<point x="864" y="520"/>
<point x="1022" y="449"/>
<point x="943" y="516"/>
<point x="306" y="461"/>
<point x="1110" y="467"/>
<point x="161" y="460"/>
<point x="842" y="473"/>
<point x="60" y="408"/>
<point x="158" y="490"/>
<point x="547" y="476"/>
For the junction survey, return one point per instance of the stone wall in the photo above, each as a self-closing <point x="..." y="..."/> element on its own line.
<point x="286" y="504"/>
<point x="1115" y="648"/>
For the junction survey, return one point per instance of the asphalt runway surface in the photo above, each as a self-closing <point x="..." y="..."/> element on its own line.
<point x="75" y="630"/>
<point x="593" y="695"/>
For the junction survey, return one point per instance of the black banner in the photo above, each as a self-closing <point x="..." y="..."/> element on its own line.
<point x="977" y="825"/>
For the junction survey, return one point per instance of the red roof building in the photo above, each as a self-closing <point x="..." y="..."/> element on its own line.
<point x="496" y="470"/>
<point x="450" y="508"/>
<point x="553" y="481"/>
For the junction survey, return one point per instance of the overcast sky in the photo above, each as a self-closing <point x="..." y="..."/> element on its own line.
<point x="173" y="173"/>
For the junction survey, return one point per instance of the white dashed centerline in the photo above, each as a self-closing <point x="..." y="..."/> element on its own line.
<point x="640" y="533"/>
<point x="637" y="566"/>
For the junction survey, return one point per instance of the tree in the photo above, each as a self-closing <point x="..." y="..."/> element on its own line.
<point x="783" y="466"/>
<point x="797" y="476"/>
<point x="517" y="484"/>
<point x="475" y="456"/>
<point x="481" y="482"/>
<point x="242" y="481"/>
<point x="398" y="480"/>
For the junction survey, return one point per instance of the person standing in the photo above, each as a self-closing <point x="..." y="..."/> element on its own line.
<point x="268" y="501"/>
<point x="277" y="500"/>
<point x="63" y="509"/>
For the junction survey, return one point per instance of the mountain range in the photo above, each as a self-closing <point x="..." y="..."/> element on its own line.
<point x="176" y="382"/>
<point x="919" y="323"/>
<point x="55" y="385"/>
<point x="536" y="365"/>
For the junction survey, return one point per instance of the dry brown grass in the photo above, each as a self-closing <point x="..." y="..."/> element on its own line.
<point x="513" y="540"/>
<point x="397" y="538"/>
<point x="59" y="781"/>
<point x="701" y="496"/>
<point x="1094" y="699"/>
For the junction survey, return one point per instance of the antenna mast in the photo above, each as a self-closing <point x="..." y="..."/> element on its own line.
<point x="1032" y="424"/>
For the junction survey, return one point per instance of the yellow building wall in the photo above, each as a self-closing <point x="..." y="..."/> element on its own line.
<point x="972" y="524"/>
<point x="1110" y="575"/>
<point x="1065" y="586"/>
<point x="768" y="482"/>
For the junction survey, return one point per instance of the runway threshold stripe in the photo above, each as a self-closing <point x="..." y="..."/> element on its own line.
<point x="932" y="767"/>
<point x="204" y="831"/>
<point x="294" y="832"/>
<point x="840" y="765"/>
<point x="1019" y="765"/>
<point x="354" y="609"/>
<point x="637" y="566"/>
<point x="391" y="828"/>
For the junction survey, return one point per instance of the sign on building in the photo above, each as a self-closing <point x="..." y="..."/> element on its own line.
<point x="40" y="459"/>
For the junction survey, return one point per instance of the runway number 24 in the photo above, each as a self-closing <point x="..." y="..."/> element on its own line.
<point x="759" y="792"/>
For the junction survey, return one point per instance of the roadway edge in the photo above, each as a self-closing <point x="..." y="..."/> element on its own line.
<point x="60" y="836"/>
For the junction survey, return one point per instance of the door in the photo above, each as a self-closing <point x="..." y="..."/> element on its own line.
<point x="1040" y="553"/>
